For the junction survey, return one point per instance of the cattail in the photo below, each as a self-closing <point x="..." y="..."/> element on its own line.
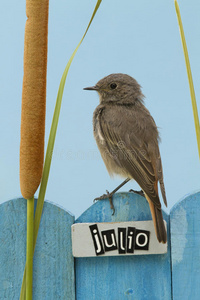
<point x="33" y="97"/>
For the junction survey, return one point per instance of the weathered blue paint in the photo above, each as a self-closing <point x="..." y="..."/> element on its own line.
<point x="53" y="276"/>
<point x="146" y="277"/>
<point x="185" y="247"/>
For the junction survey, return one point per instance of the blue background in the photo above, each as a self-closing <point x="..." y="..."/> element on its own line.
<point x="140" y="38"/>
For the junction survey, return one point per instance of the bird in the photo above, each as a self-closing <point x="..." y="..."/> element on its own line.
<point x="128" y="140"/>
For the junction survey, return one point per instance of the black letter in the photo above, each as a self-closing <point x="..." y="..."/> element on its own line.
<point x="109" y="240"/>
<point x="122" y="240"/>
<point x="131" y="240"/>
<point x="96" y="239"/>
<point x="142" y="240"/>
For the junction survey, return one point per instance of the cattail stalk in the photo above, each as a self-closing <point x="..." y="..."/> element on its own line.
<point x="29" y="248"/>
<point x="33" y="117"/>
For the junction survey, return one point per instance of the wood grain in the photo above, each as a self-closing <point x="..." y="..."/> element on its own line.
<point x="185" y="248"/>
<point x="53" y="264"/>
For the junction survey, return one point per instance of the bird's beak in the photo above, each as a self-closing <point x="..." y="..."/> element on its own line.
<point x="91" y="88"/>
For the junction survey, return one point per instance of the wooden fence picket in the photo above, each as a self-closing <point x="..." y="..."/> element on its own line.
<point x="53" y="266"/>
<point x="185" y="248"/>
<point x="145" y="277"/>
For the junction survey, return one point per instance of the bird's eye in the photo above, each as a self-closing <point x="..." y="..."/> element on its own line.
<point x="113" y="86"/>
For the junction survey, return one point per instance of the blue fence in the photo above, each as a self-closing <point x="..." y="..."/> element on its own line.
<point x="57" y="275"/>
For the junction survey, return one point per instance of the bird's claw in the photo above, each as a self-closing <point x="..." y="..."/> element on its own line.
<point x="105" y="196"/>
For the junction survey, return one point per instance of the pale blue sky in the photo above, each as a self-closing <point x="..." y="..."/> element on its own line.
<point x="140" y="38"/>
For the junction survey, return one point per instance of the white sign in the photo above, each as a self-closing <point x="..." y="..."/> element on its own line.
<point x="111" y="239"/>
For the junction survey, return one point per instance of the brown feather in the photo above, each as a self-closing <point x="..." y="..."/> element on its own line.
<point x="158" y="222"/>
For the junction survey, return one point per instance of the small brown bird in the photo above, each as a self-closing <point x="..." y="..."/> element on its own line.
<point x="127" y="137"/>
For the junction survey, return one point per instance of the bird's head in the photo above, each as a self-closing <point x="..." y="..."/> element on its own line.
<point x="118" y="87"/>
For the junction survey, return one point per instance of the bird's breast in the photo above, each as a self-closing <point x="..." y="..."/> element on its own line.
<point x="98" y="135"/>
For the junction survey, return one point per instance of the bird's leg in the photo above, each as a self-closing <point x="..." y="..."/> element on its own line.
<point x="141" y="193"/>
<point x="109" y="195"/>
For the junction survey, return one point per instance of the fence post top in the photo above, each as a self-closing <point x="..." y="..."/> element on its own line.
<point x="129" y="206"/>
<point x="20" y="201"/>
<point x="185" y="201"/>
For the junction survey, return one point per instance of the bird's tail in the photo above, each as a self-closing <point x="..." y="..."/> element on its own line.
<point x="158" y="222"/>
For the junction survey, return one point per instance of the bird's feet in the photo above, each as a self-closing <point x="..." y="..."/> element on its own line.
<point x="141" y="193"/>
<point x="105" y="196"/>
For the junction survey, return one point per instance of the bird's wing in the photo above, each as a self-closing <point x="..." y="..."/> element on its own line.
<point x="160" y="178"/>
<point x="129" y="148"/>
